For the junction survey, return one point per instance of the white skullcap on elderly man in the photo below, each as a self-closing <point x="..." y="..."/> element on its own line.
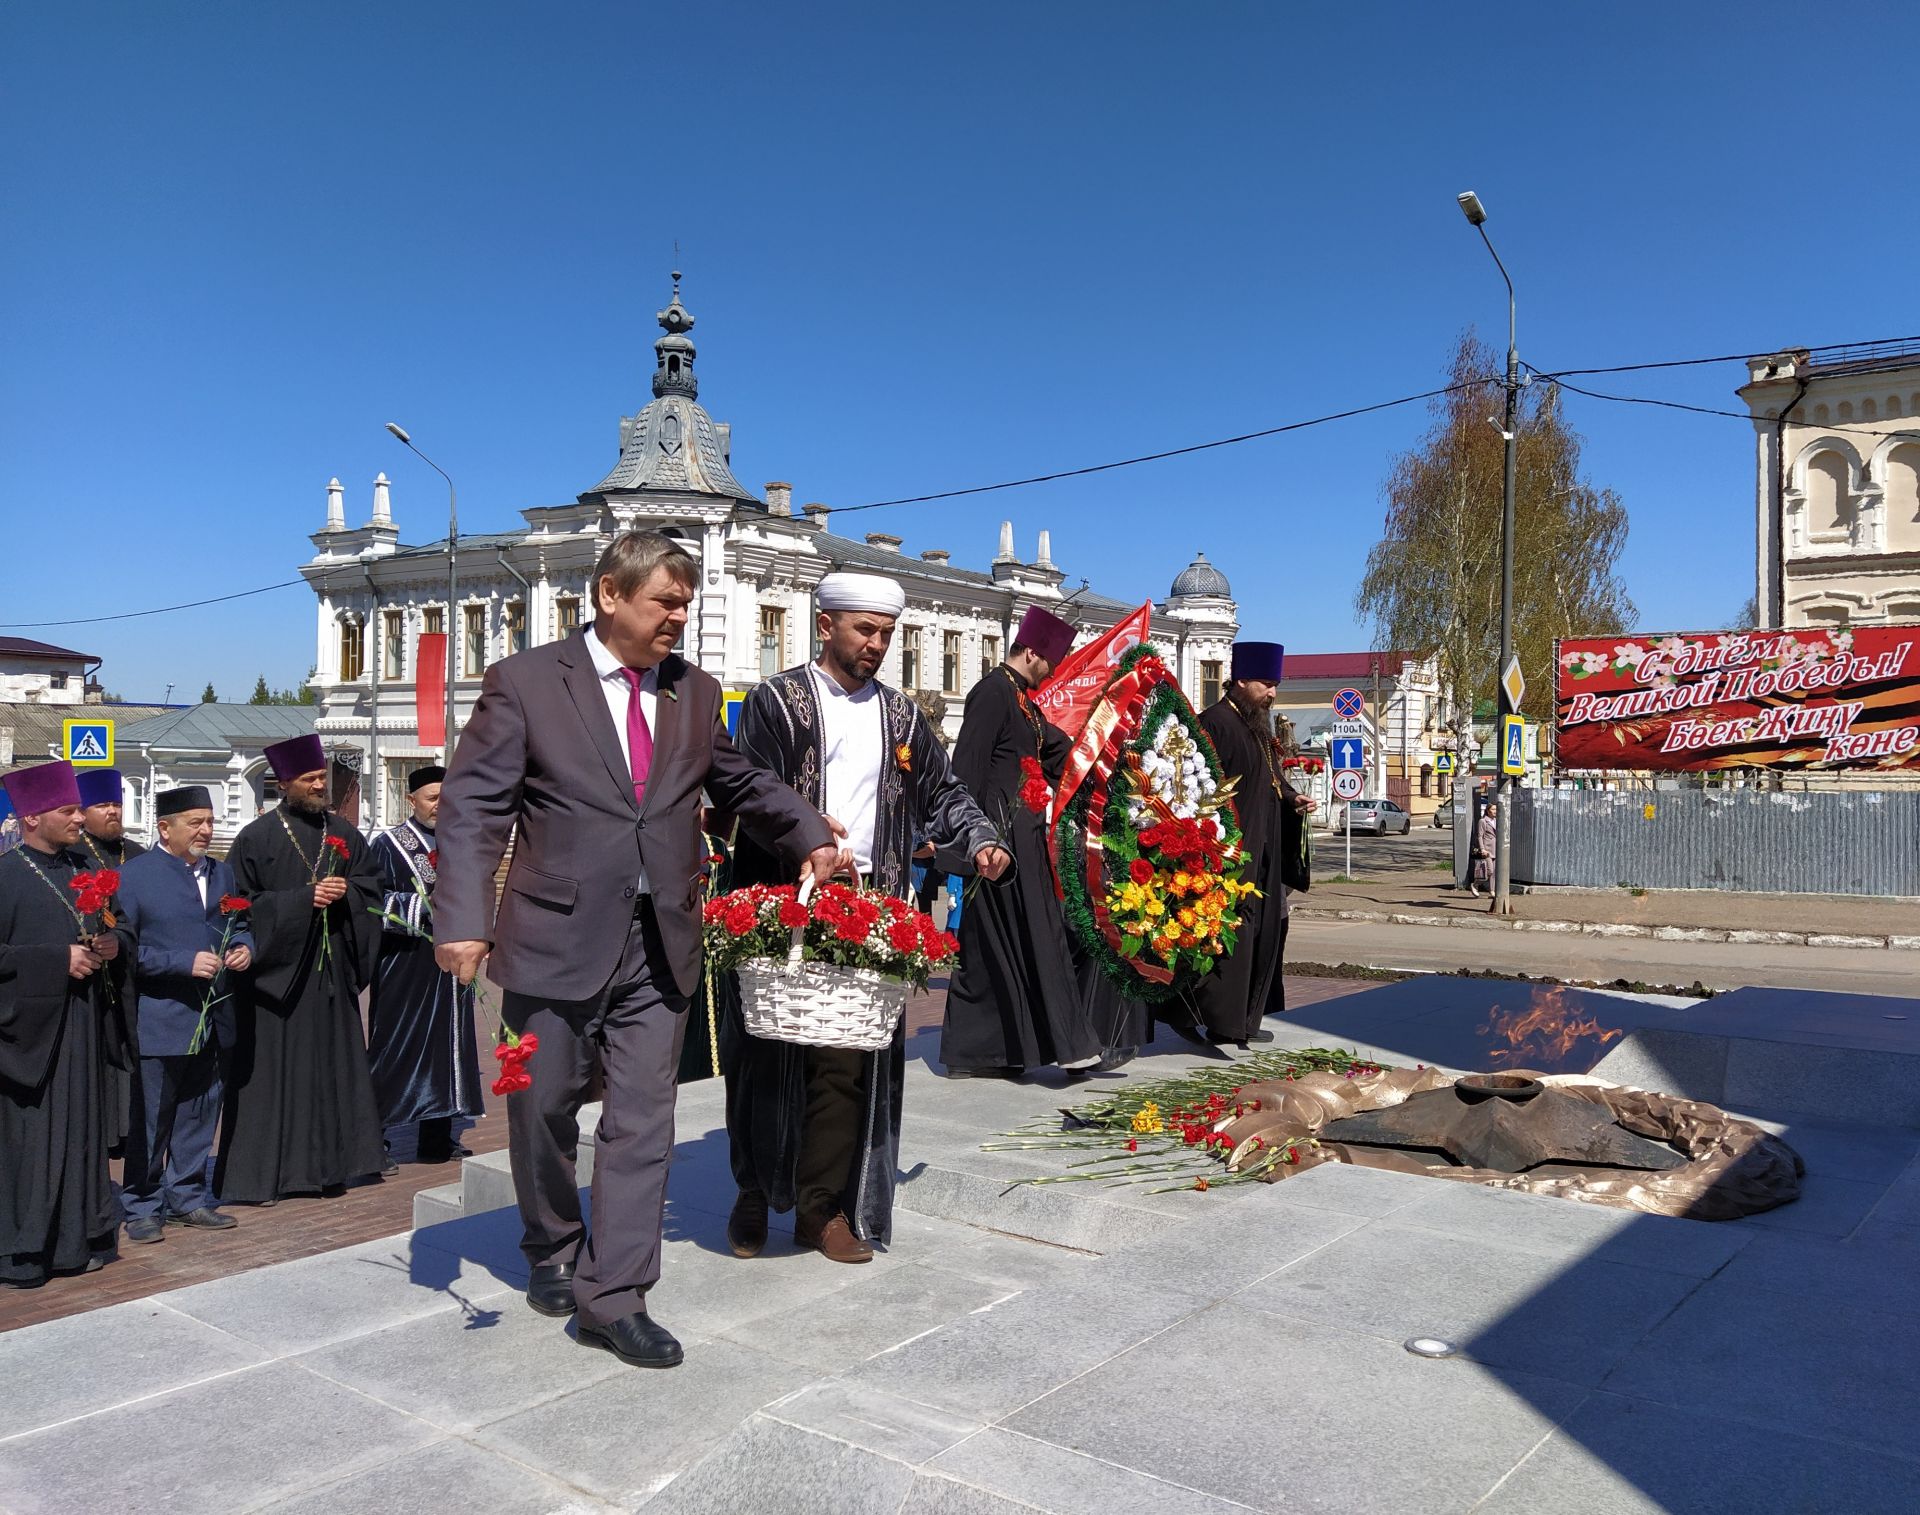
<point x="860" y="591"/>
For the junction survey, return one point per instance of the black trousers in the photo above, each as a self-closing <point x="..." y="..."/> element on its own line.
<point x="830" y="1137"/>
<point x="631" y="1036"/>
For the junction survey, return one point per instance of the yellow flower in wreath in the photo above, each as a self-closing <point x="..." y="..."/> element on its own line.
<point x="1156" y="908"/>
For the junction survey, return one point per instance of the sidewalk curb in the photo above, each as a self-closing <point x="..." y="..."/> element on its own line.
<point x="1621" y="928"/>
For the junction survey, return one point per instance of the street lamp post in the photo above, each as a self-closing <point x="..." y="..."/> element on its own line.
<point x="1476" y="214"/>
<point x="453" y="569"/>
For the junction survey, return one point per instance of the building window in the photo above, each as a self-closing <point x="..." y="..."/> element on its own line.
<point x="566" y="615"/>
<point x="434" y="623"/>
<point x="950" y="662"/>
<point x="989" y="655"/>
<point x="393" y="655"/>
<point x="1209" y="682"/>
<point x="58" y="681"/>
<point x="474" y="642"/>
<point x="352" y="646"/>
<point x="1426" y="781"/>
<point x="516" y="626"/>
<point x="910" y="657"/>
<point x="773" y="640"/>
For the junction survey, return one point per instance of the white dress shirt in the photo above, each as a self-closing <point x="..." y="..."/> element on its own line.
<point x="852" y="752"/>
<point x="202" y="869"/>
<point x="613" y="684"/>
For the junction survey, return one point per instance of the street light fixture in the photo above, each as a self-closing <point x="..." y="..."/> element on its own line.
<point x="1476" y="215"/>
<point x="453" y="571"/>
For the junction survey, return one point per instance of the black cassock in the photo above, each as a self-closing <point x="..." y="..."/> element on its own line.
<point x="57" y="1033"/>
<point x="1017" y="998"/>
<point x="420" y="1043"/>
<point x="299" y="1114"/>
<point x="102" y="853"/>
<point x="767" y="1080"/>
<point x="1245" y="985"/>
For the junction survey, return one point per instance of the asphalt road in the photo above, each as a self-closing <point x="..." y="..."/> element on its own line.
<point x="1718" y="965"/>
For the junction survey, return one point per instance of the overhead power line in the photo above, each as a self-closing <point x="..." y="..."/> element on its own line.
<point x="1708" y="410"/>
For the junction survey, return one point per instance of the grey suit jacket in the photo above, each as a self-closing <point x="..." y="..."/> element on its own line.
<point x="540" y="756"/>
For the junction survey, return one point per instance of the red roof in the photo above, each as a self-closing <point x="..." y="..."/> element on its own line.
<point x="1357" y="666"/>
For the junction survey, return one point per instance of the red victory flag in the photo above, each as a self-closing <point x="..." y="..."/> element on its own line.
<point x="1068" y="698"/>
<point x="430" y="689"/>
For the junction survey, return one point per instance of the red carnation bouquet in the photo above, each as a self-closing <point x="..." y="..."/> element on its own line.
<point x="93" y="895"/>
<point x="334" y="856"/>
<point x="842" y="926"/>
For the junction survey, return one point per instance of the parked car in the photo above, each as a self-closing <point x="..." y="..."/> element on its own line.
<point x="1444" y="815"/>
<point x="1378" y="817"/>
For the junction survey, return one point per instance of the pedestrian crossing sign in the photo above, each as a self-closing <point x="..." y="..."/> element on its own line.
<point x="733" y="699"/>
<point x="1513" y="744"/>
<point x="88" y="743"/>
<point x="1443" y="762"/>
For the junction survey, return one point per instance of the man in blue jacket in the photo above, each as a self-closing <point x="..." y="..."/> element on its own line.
<point x="186" y="949"/>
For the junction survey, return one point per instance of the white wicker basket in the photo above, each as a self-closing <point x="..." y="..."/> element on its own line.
<point x="819" y="1004"/>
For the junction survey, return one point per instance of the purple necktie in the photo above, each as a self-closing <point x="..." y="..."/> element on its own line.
<point x="639" y="737"/>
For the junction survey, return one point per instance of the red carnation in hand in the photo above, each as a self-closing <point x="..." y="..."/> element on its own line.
<point x="233" y="904"/>
<point x="339" y="846"/>
<point x="793" y="915"/>
<point x="1140" y="871"/>
<point x="433" y="857"/>
<point x="529" y="1044"/>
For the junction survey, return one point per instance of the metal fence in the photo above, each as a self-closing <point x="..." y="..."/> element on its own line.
<point x="1834" y="842"/>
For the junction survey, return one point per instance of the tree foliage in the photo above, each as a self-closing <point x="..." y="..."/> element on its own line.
<point x="262" y="695"/>
<point x="1432" y="585"/>
<point x="207" y="696"/>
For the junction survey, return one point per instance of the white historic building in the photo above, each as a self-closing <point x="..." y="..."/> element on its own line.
<point x="753" y="614"/>
<point x="38" y="673"/>
<point x="1837" y="436"/>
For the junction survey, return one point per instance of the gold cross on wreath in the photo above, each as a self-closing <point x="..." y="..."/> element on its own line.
<point x="1177" y="746"/>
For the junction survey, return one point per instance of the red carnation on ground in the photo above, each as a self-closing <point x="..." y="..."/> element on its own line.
<point x="1140" y="871"/>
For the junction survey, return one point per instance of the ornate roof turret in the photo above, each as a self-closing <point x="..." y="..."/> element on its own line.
<point x="673" y="372"/>
<point x="1201" y="578"/>
<point x="674" y="443"/>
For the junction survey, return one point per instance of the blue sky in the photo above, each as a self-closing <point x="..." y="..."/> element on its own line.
<point x="927" y="246"/>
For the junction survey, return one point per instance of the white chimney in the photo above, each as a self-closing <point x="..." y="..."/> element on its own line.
<point x="1045" y="560"/>
<point x="382" y="502"/>
<point x="780" y="498"/>
<point x="1005" y="554"/>
<point x="336" y="506"/>
<point x="817" y="513"/>
<point x="884" y="541"/>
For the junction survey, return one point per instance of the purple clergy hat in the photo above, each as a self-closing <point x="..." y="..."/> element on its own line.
<point x="1044" y="633"/>
<point x="47" y="787"/>
<point x="295" y="756"/>
<point x="101" y="786"/>
<point x="1257" y="660"/>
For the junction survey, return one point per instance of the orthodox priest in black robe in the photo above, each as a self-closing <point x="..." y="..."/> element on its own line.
<point x="1245" y="986"/>
<point x="420" y="1036"/>
<point x="816" y="1129"/>
<point x="300" y="1116"/>
<point x="1018" y="999"/>
<point x="58" y="1029"/>
<point x="104" y="841"/>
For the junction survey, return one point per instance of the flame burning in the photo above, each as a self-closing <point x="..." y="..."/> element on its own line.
<point x="1545" y="1035"/>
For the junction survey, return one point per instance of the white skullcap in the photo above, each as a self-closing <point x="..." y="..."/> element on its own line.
<point x="860" y="591"/>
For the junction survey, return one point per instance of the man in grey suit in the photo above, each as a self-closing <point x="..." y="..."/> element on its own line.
<point x="592" y="754"/>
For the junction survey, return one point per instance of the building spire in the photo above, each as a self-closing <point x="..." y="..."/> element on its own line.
<point x="673" y="369"/>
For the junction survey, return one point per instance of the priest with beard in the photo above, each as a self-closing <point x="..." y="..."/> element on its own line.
<point x="57" y="1031"/>
<point x="1018" y="999"/>
<point x="816" y="1130"/>
<point x="1245" y="986"/>
<point x="104" y="841"/>
<point x="420" y="1042"/>
<point x="300" y="1116"/>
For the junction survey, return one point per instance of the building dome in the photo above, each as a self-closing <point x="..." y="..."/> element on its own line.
<point x="1201" y="578"/>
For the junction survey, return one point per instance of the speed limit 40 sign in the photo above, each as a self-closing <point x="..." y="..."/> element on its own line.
<point x="1347" y="784"/>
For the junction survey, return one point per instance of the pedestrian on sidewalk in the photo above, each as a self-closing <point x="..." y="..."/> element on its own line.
<point x="591" y="754"/>
<point x="1486" y="833"/>
<point x="172" y="928"/>
<point x="816" y="1130"/>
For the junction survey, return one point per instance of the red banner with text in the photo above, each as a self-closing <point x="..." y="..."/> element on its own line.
<point x="1068" y="697"/>
<point x="430" y="689"/>
<point x="1847" y="697"/>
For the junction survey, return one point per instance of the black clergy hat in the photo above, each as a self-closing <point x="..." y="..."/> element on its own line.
<point x="421" y="777"/>
<point x="187" y="797"/>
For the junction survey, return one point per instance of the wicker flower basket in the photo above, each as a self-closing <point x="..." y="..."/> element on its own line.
<point x="819" y="1004"/>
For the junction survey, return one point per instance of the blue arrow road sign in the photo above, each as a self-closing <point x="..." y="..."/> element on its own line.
<point x="1349" y="752"/>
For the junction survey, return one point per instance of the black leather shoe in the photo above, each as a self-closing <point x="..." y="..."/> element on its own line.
<point x="1254" y="1036"/>
<point x="1008" y="1073"/>
<point x="637" y="1340"/>
<point x="148" y="1228"/>
<point x="205" y="1218"/>
<point x="550" y="1289"/>
<point x="747" y="1225"/>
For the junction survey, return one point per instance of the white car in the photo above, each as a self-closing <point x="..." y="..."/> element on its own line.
<point x="1378" y="817"/>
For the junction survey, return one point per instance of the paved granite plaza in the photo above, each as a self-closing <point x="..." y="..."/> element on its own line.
<point x="1074" y="1348"/>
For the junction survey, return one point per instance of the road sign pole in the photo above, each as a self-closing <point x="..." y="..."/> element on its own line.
<point x="1349" y="839"/>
